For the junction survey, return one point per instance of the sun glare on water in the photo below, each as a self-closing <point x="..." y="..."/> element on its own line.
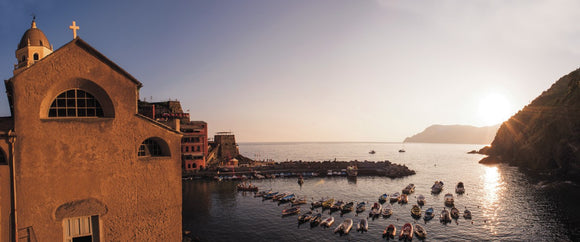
<point x="494" y="109"/>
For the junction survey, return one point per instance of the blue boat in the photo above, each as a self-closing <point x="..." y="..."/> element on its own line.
<point x="287" y="198"/>
<point x="428" y="214"/>
<point x="383" y="198"/>
<point x="270" y="195"/>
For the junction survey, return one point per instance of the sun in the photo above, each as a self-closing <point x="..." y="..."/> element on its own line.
<point x="494" y="109"/>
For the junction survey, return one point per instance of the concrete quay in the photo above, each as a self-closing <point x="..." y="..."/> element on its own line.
<point x="306" y="169"/>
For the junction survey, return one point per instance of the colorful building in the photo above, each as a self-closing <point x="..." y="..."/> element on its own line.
<point x="194" y="143"/>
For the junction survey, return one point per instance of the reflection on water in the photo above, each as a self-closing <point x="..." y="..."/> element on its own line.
<point x="492" y="189"/>
<point x="505" y="205"/>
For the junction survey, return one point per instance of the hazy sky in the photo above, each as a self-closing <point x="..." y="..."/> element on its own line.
<point x="333" y="70"/>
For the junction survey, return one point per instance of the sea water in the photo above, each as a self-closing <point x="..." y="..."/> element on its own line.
<point x="506" y="204"/>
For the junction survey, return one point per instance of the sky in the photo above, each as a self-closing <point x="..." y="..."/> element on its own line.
<point x="320" y="70"/>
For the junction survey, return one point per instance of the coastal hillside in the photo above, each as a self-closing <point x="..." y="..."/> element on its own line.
<point x="455" y="134"/>
<point x="544" y="135"/>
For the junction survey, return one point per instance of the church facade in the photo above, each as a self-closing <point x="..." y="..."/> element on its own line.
<point x="77" y="160"/>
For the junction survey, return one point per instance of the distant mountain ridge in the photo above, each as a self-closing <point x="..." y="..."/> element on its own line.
<point x="455" y="134"/>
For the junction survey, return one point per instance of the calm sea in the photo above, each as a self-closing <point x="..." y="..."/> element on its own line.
<point x="506" y="204"/>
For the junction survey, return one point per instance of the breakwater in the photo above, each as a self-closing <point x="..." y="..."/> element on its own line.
<point x="308" y="168"/>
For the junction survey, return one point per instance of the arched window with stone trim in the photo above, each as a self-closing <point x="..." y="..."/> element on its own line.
<point x="75" y="103"/>
<point x="153" y="147"/>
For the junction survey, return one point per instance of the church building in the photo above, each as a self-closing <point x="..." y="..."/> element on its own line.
<point x="77" y="160"/>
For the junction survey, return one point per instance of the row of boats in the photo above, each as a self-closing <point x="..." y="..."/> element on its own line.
<point x="406" y="232"/>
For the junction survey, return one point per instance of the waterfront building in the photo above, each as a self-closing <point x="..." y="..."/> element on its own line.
<point x="77" y="160"/>
<point x="194" y="143"/>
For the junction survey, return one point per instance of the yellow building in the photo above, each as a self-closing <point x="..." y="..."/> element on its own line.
<point x="77" y="161"/>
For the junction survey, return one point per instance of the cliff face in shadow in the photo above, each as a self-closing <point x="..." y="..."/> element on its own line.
<point x="544" y="135"/>
<point x="455" y="134"/>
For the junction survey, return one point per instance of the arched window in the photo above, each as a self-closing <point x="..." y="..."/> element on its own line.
<point x="35" y="56"/>
<point x="23" y="59"/>
<point x="153" y="147"/>
<point x="75" y="103"/>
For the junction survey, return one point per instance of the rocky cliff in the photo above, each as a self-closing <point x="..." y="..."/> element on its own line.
<point x="544" y="135"/>
<point x="455" y="134"/>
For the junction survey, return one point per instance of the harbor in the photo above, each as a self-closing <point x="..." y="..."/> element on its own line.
<point x="305" y="169"/>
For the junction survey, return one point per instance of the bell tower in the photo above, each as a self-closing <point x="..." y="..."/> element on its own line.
<point x="33" y="47"/>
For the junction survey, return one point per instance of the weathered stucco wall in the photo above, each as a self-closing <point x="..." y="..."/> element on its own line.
<point x="60" y="161"/>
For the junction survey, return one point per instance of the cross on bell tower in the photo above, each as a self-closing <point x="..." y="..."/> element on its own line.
<point x="74" y="28"/>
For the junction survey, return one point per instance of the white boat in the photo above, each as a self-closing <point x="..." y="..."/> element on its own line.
<point x="327" y="222"/>
<point x="449" y="199"/>
<point x="420" y="231"/>
<point x="363" y="225"/>
<point x="344" y="227"/>
<point x="375" y="210"/>
<point x="395" y="197"/>
<point x="421" y="200"/>
<point x="387" y="210"/>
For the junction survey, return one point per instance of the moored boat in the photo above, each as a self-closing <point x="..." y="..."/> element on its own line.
<point x="363" y="225"/>
<point x="454" y="213"/>
<point x="298" y="201"/>
<point x="449" y="200"/>
<point x="287" y="198"/>
<point x="315" y="220"/>
<point x="327" y="222"/>
<point x="337" y="206"/>
<point x="317" y="204"/>
<point x="361" y="207"/>
<point x="290" y="211"/>
<point x="247" y="187"/>
<point x="406" y="232"/>
<point x="395" y="197"/>
<point x="429" y="214"/>
<point x="303" y="218"/>
<point x="387" y="211"/>
<point x="269" y="195"/>
<point x="420" y="231"/>
<point x="375" y="210"/>
<point x="421" y="200"/>
<point x="372" y="152"/>
<point x="347" y="208"/>
<point x="467" y="214"/>
<point x="460" y="189"/>
<point x="383" y="198"/>
<point x="328" y="203"/>
<point x="352" y="171"/>
<point x="390" y="231"/>
<point x="437" y="187"/>
<point x="416" y="211"/>
<point x="445" y="217"/>
<point x="344" y="227"/>
<point x="409" y="189"/>
<point x="279" y="196"/>
<point x="404" y="199"/>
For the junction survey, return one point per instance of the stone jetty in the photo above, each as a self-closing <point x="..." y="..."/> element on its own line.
<point x="312" y="168"/>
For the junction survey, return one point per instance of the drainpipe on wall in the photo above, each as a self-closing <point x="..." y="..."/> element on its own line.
<point x="13" y="224"/>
